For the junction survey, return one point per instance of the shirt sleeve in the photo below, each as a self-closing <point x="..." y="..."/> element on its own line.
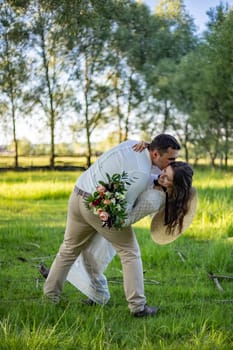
<point x="150" y="182"/>
<point x="138" y="183"/>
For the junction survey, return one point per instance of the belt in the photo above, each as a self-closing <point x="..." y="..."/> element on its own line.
<point x="81" y="192"/>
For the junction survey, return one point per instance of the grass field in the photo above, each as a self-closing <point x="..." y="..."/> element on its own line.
<point x="194" y="312"/>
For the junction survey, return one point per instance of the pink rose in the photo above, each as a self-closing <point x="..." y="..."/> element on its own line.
<point x="103" y="216"/>
<point x="101" y="189"/>
<point x="107" y="201"/>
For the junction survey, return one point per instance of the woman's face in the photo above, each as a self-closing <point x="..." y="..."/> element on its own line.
<point x="166" y="177"/>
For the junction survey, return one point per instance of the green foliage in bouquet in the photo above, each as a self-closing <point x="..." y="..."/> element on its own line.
<point x="108" y="201"/>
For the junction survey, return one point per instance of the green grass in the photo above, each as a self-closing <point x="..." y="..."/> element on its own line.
<point x="194" y="313"/>
<point x="42" y="161"/>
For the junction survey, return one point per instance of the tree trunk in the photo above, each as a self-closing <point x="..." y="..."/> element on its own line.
<point x="128" y="110"/>
<point x="51" y="101"/>
<point x="186" y="151"/>
<point x="118" y="108"/>
<point x="52" y="129"/>
<point x="52" y="145"/>
<point x="16" y="162"/>
<point x="226" y="146"/>
<point x="86" y="90"/>
<point x="212" y="160"/>
<point x="166" y="116"/>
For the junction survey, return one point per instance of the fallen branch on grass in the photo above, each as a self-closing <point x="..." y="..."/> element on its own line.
<point x="182" y="257"/>
<point x="119" y="280"/>
<point x="212" y="275"/>
<point x="215" y="280"/>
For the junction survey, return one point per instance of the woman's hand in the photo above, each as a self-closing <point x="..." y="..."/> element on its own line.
<point x="140" y="146"/>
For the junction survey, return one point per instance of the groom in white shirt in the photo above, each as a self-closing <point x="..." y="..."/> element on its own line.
<point x="82" y="224"/>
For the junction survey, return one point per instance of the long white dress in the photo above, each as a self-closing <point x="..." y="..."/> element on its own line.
<point x="86" y="273"/>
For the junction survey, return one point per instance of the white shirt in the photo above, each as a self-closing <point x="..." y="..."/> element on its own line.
<point x="118" y="159"/>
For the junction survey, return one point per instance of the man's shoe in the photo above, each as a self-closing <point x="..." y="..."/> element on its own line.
<point x="44" y="271"/>
<point x="50" y="299"/>
<point x="147" y="311"/>
<point x="88" y="302"/>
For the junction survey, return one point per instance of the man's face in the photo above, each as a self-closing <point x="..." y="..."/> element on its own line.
<point x="162" y="161"/>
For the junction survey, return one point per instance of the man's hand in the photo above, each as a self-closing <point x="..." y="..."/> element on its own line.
<point x="140" y="146"/>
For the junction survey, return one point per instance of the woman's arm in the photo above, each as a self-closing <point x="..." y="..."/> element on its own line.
<point x="149" y="202"/>
<point x="140" y="146"/>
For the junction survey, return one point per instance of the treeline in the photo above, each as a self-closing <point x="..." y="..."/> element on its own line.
<point x="76" y="66"/>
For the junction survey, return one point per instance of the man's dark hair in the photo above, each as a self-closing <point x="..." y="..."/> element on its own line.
<point x="162" y="142"/>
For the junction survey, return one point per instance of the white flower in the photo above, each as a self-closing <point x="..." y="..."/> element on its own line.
<point x="119" y="195"/>
<point x="95" y="211"/>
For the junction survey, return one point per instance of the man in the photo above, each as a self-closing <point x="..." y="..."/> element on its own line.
<point x="82" y="224"/>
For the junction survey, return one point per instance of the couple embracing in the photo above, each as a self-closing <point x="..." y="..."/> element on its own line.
<point x="160" y="186"/>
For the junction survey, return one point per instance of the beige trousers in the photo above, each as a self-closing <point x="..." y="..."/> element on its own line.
<point x="81" y="226"/>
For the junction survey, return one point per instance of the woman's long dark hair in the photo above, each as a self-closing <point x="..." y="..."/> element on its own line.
<point x="177" y="200"/>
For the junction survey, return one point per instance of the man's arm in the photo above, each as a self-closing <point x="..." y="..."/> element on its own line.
<point x="138" y="184"/>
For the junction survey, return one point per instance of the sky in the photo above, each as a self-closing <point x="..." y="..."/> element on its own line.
<point x="196" y="8"/>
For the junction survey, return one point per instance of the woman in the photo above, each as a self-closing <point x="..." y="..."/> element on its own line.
<point x="172" y="191"/>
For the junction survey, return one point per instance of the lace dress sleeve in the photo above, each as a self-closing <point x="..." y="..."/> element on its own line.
<point x="149" y="202"/>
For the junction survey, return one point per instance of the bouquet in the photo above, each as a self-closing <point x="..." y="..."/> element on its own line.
<point x="108" y="201"/>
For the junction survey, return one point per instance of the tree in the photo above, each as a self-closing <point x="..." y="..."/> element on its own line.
<point x="175" y="36"/>
<point x="213" y="91"/>
<point x="182" y="82"/>
<point x="50" y="82"/>
<point x="126" y="86"/>
<point x="220" y="55"/>
<point x="104" y="79"/>
<point x="88" y="60"/>
<point x="14" y="72"/>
